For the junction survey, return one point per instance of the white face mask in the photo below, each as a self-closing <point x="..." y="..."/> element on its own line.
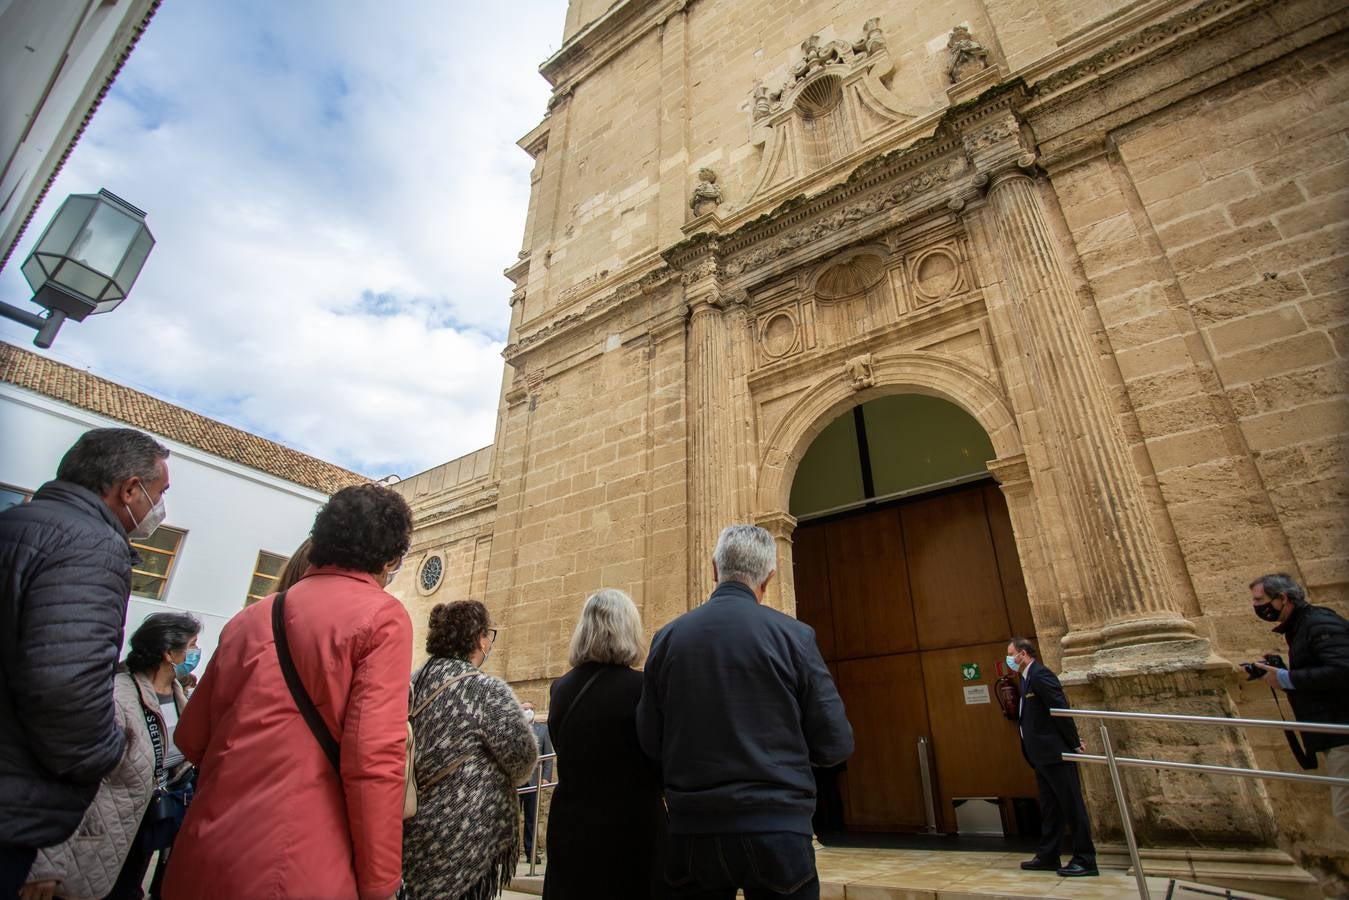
<point x="529" y="715"/>
<point x="146" y="527"/>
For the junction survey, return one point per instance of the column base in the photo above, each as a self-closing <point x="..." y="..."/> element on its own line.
<point x="1269" y="872"/>
<point x="1135" y="646"/>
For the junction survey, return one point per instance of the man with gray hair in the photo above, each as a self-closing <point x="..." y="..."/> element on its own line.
<point x="65" y="576"/>
<point x="737" y="705"/>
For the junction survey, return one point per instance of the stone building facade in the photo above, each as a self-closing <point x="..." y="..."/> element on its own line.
<point x="1112" y="233"/>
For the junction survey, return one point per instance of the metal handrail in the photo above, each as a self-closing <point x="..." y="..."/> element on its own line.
<point x="1279" y="724"/>
<point x="537" y="788"/>
<point x="1116" y="762"/>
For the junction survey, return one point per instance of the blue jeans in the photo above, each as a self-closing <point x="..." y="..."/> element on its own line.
<point x="772" y="866"/>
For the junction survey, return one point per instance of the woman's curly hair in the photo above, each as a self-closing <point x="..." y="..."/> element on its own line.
<point x="455" y="628"/>
<point x="361" y="527"/>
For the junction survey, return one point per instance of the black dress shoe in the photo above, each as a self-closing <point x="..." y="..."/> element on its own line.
<point x="1077" y="870"/>
<point x="1038" y="864"/>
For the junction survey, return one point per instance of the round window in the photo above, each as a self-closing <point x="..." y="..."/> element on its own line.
<point x="432" y="570"/>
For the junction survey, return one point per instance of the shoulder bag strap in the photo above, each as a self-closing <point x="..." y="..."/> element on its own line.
<point x="156" y="737"/>
<point x="437" y="692"/>
<point x="577" y="699"/>
<point x="454" y="764"/>
<point x="297" y="691"/>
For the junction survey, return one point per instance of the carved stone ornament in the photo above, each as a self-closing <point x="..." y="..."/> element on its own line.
<point x="859" y="373"/>
<point x="862" y="208"/>
<point x="808" y="112"/>
<point x="707" y="194"/>
<point x="968" y="56"/>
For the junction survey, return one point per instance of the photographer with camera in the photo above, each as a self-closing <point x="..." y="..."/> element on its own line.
<point x="1316" y="678"/>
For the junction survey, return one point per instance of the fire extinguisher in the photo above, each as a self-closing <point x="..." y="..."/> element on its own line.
<point x="1008" y="691"/>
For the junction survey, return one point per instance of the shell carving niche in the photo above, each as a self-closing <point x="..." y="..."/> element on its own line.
<point x="852" y="296"/>
<point x="836" y="99"/>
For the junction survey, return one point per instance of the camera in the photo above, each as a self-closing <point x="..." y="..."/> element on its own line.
<point x="1254" y="672"/>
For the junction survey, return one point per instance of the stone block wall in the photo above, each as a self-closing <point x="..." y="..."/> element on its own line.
<point x="1212" y="236"/>
<point x="592" y="484"/>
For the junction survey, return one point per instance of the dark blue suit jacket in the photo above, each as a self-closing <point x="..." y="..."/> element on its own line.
<point x="1044" y="738"/>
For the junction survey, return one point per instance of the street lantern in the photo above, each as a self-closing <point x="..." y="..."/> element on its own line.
<point x="85" y="262"/>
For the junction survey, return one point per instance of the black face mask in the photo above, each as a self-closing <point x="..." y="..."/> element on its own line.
<point x="1266" y="611"/>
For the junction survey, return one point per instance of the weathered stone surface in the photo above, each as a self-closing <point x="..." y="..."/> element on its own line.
<point x="1118" y="242"/>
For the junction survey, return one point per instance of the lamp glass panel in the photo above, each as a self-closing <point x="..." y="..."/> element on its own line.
<point x="104" y="241"/>
<point x="69" y="219"/>
<point x="135" y="259"/>
<point x="112" y="295"/>
<point x="33" y="271"/>
<point x="80" y="279"/>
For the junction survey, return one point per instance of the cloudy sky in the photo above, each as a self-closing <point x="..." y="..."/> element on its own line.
<point x="335" y="189"/>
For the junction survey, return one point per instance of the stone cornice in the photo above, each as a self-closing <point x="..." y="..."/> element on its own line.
<point x="1142" y="45"/>
<point x="597" y="43"/>
<point x="599" y="307"/>
<point x="438" y="511"/>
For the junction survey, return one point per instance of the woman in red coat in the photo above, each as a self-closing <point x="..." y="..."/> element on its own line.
<point x="272" y="818"/>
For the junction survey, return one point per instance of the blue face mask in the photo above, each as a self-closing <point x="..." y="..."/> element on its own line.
<point x="189" y="662"/>
<point x="1012" y="664"/>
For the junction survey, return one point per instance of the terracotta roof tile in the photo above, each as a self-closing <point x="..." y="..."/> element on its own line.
<point x="37" y="373"/>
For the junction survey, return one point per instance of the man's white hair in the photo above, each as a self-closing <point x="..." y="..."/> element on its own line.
<point x="745" y="554"/>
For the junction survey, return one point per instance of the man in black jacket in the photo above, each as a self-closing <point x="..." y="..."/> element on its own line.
<point x="1317" y="677"/>
<point x="1044" y="739"/>
<point x="65" y="576"/>
<point x="737" y="705"/>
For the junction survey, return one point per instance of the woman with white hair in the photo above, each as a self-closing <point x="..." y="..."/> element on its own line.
<point x="606" y="829"/>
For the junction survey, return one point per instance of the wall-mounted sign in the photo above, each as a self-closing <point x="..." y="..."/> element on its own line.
<point x="970" y="671"/>
<point x="976" y="693"/>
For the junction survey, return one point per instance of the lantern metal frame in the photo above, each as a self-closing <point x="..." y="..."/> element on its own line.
<point x="85" y="262"/>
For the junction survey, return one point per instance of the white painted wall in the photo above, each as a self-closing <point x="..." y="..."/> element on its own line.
<point x="55" y="56"/>
<point x="229" y="511"/>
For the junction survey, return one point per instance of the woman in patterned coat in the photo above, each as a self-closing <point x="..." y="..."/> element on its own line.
<point x="473" y="748"/>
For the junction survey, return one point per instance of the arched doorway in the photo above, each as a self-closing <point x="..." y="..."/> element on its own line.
<point x="906" y="567"/>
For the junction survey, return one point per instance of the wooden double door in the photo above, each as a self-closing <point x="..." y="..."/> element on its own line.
<point x="905" y="601"/>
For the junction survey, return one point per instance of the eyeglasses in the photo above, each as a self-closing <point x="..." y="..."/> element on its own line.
<point x="492" y="635"/>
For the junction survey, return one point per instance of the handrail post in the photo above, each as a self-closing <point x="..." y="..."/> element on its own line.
<point x="925" y="771"/>
<point x="1124" y="814"/>
<point x="533" y="852"/>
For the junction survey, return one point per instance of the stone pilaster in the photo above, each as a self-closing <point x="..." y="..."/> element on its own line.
<point x="782" y="590"/>
<point x="1130" y="602"/>
<point x="711" y="488"/>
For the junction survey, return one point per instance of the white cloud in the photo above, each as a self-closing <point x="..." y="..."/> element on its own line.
<point x="335" y="189"/>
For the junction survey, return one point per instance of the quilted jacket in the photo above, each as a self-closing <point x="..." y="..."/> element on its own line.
<point x="65" y="574"/>
<point x="87" y="863"/>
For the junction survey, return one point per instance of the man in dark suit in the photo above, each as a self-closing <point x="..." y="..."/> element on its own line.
<point x="1044" y="739"/>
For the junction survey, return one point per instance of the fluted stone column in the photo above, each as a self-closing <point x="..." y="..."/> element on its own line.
<point x="712" y="452"/>
<point x="1130" y="600"/>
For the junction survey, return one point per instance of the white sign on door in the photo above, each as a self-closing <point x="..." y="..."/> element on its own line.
<point x="976" y="693"/>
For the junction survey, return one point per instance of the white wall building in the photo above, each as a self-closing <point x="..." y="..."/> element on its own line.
<point x="238" y="504"/>
<point x="57" y="60"/>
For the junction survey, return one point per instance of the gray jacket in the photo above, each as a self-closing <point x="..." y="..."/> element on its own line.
<point x="545" y="743"/>
<point x="88" y="862"/>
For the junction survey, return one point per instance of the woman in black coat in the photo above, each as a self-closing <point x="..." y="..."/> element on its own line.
<point x="606" y="829"/>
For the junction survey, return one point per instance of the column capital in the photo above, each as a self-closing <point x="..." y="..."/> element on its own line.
<point x="779" y="524"/>
<point x="1012" y="473"/>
